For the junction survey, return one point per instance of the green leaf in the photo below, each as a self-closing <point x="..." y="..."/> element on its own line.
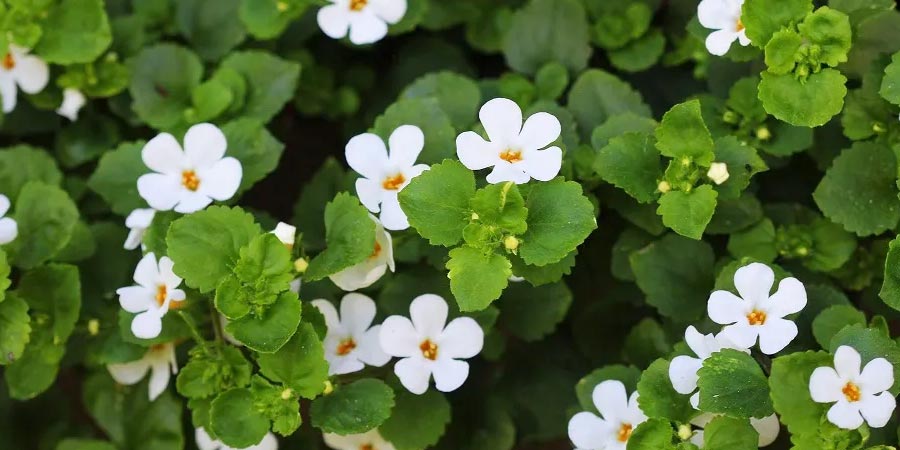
<point x="859" y="190"/>
<point x="658" y="399"/>
<point x="84" y="444"/>
<point x="790" y="376"/>
<point x="682" y="134"/>
<point x="353" y="408"/>
<point x="213" y="370"/>
<point x="640" y="54"/>
<point x="597" y="95"/>
<point x="584" y="390"/>
<point x="676" y="274"/>
<point x="162" y="79"/>
<point x="871" y="343"/>
<point x="688" y="213"/>
<point x="551" y="81"/>
<point x="728" y="433"/>
<point x="654" y="434"/>
<point x="832" y="320"/>
<point x="115" y="178"/>
<point x="350" y="235"/>
<point x="271" y="81"/>
<point x="530" y="313"/>
<point x="427" y="114"/>
<point x="631" y="162"/>
<point x="808" y="103"/>
<point x="645" y="342"/>
<point x="14" y="328"/>
<point x="75" y="31"/>
<point x="890" y="289"/>
<point x="262" y="271"/>
<point x="417" y="421"/>
<point x="731" y="382"/>
<point x="310" y="207"/>
<point x="277" y="404"/>
<point x="756" y="242"/>
<point x="5" y="270"/>
<point x="548" y="31"/>
<point x="457" y="95"/>
<point x="236" y="420"/>
<point x="783" y="50"/>
<point x="437" y="202"/>
<point x="540" y="275"/>
<point x="300" y="364"/>
<point x="477" y="278"/>
<point x="209" y="100"/>
<point x="890" y="84"/>
<point x="828" y="30"/>
<point x="763" y="18"/>
<point x="206" y="245"/>
<point x="46" y="218"/>
<point x="501" y="206"/>
<point x="267" y="19"/>
<point x="212" y="27"/>
<point x="832" y="246"/>
<point x="560" y="218"/>
<point x="21" y="164"/>
<point x="619" y="125"/>
<point x="268" y="330"/>
<point x="742" y="161"/>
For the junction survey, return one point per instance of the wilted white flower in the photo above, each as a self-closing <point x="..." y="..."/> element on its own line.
<point x="73" y="101"/>
<point x="350" y="343"/>
<point x="154" y="295"/>
<point x="620" y="415"/>
<point x="857" y="395"/>
<point x="724" y="16"/>
<point x="137" y="222"/>
<point x="159" y="361"/>
<point x="366" y="273"/>
<point x="19" y="70"/>
<point x="366" y="20"/>
<point x="8" y="227"/>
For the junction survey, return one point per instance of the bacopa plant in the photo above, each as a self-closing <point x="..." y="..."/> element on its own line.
<point x="449" y="225"/>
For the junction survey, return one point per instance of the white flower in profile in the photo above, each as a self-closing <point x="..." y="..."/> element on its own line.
<point x="205" y="442"/>
<point x="366" y="20"/>
<point x="19" y="70"/>
<point x="73" y="101"/>
<point x="724" y="16"/>
<point x="755" y="314"/>
<point x="683" y="369"/>
<point x="370" y="440"/>
<point x="350" y="343"/>
<point x="8" y="227"/>
<point x="620" y="415"/>
<point x="428" y="347"/>
<point x="137" y="222"/>
<point x="157" y="292"/>
<point x="514" y="150"/>
<point x="767" y="428"/>
<point x="189" y="180"/>
<point x="857" y="395"/>
<point x="159" y="361"/>
<point x="386" y="174"/>
<point x="366" y="273"/>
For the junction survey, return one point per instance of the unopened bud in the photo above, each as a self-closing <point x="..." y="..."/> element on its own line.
<point x="511" y="243"/>
<point x="300" y="265"/>
<point x="287" y="393"/>
<point x="329" y="388"/>
<point x="763" y="133"/>
<point x="718" y="172"/>
<point x="93" y="327"/>
<point x="282" y="6"/>
<point x="474" y="216"/>
<point x="664" y="186"/>
<point x="685" y="432"/>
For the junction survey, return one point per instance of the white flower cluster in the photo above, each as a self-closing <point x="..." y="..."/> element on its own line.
<point x="20" y="70"/>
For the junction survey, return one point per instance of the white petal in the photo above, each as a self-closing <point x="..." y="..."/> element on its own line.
<point x="634" y="414"/>
<point x="329" y="312"/>
<point x="696" y="341"/>
<point x="845" y="415"/>
<point x="878" y="409"/>
<point x="222" y="179"/>
<point x="429" y="315"/>
<point x="9" y="230"/>
<point x="163" y="154"/>
<point x="140" y="218"/>
<point x="414" y="374"/>
<point x="462" y="338"/>
<point x="269" y="442"/>
<point x="790" y="298"/>
<point x="135" y="299"/>
<point x="413" y="172"/>
<point x="367" y="155"/>
<point x="877" y="376"/>
<point x="368" y="348"/>
<point x="505" y="171"/>
<point x="502" y="120"/>
<point x="754" y="282"/>
<point x="768" y="428"/>
<point x="342" y="365"/>
<point x="776" y="334"/>
<point x="133" y="241"/>
<point x="370" y="193"/>
<point x="159" y="379"/>
<point x="717" y="14"/>
<point x="204" y="145"/>
<point x="389" y="10"/>
<point x="9" y="91"/>
<point x="406" y="142"/>
<point x="359" y="276"/>
<point x="825" y="385"/>
<point x="742" y="334"/>
<point x="610" y="399"/>
<point x="32" y="74"/>
<point x="683" y="373"/>
<point x="73" y="101"/>
<point x="475" y="153"/>
<point x="285" y="233"/>
<point x="146" y="273"/>
<point x="357" y="313"/>
<point x="588" y="431"/>
<point x="383" y="238"/>
<point x="166" y="274"/>
<point x="743" y="39"/>
<point x="162" y="192"/>
<point x="726" y="308"/>
<point x="539" y="131"/>
<point x="392" y="216"/>
<point x="146" y="325"/>
<point x="128" y="373"/>
<point x="695" y="400"/>
<point x="450" y="374"/>
<point x="696" y="439"/>
<point x="334" y="21"/>
<point x="366" y="27"/>
<point x="192" y="202"/>
<point x="399" y="338"/>
<point x="847" y="362"/>
<point x="204" y="441"/>
<point x="542" y="165"/>
<point x="4" y="205"/>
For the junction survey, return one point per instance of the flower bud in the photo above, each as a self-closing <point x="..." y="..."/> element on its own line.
<point x="664" y="186"/>
<point x="511" y="243"/>
<point x="300" y="265"/>
<point x="718" y="172"/>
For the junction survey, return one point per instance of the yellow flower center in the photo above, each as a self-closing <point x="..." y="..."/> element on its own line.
<point x="189" y="180"/>
<point x="358" y="5"/>
<point x="851" y="391"/>
<point x="367" y="447"/>
<point x="346" y="346"/>
<point x="624" y="432"/>
<point x="393" y="183"/>
<point x="429" y="349"/>
<point x="9" y="63"/>
<point x="161" y="294"/>
<point x="756" y="317"/>
<point x="739" y="26"/>
<point x="376" y="251"/>
<point x="511" y="156"/>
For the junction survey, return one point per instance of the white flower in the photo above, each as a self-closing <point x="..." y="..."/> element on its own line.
<point x="384" y="175"/>
<point x="718" y="172"/>
<point x="683" y="369"/>
<point x="724" y="16"/>
<point x="73" y="101"/>
<point x="755" y="313"/>
<point x="159" y="361"/>
<point x="350" y="344"/>
<point x="137" y="222"/>
<point x="767" y="428"/>
<point x="370" y="440"/>
<point x="191" y="179"/>
<point x="514" y="150"/>
<point x="205" y="442"/>
<point x="285" y="233"/>
<point x="373" y="268"/>
<point x="152" y="297"/>
<point x="856" y="395"/>
<point x="19" y="70"/>
<point x="428" y="348"/>
<point x="366" y="20"/>
<point x="8" y="227"/>
<point x="620" y="416"/>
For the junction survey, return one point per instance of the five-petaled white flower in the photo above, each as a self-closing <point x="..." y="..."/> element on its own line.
<point x="73" y="101"/>
<point x="137" y="222"/>
<point x="683" y="369"/>
<point x="428" y="347"/>
<point x="8" y="227"/>
<point x="514" y="150"/>
<point x="370" y="440"/>
<point x="159" y="361"/>
<point x="205" y="442"/>
<point x="350" y="344"/>
<point x="767" y="428"/>
<point x="366" y="273"/>
<point x="856" y="394"/>
<point x="718" y="172"/>
<point x="19" y="70"/>
<point x="724" y="16"/>
<point x="154" y="295"/>
<point x="755" y="313"/>
<point x="189" y="180"/>
<point x="385" y="175"/>
<point x="620" y="416"/>
<point x="366" y="20"/>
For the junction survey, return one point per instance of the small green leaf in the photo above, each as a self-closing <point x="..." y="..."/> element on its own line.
<point x="832" y="320"/>
<point x="890" y="289"/>
<point x="828" y="30"/>
<point x="213" y="370"/>
<point x="115" y="178"/>
<point x="300" y="364"/>
<point x="790" y="376"/>
<point x="353" y="408"/>
<point x="267" y="19"/>
<point x="350" y="236"/>
<point x="782" y="51"/>
<point x="437" y="202"/>
<point x="269" y="330"/>
<point x="597" y="95"/>
<point x="456" y="94"/>
<point x="688" y="213"/>
<point x="756" y="242"/>
<point x="236" y="420"/>
<point x="742" y="161"/>
<point x="14" y="328"/>
<point x="477" y="278"/>
<point x="162" y="79"/>
<point x="808" y="103"/>
<point x="654" y="434"/>
<point x="545" y="31"/>
<point x="890" y="84"/>
<point x="530" y="313"/>
<point x="657" y="397"/>
<point x="271" y="81"/>
<point x="501" y="206"/>
<point x="560" y="218"/>
<point x="75" y="31"/>
<point x="683" y="134"/>
<point x="631" y="162"/>
<point x="212" y="27"/>
<point x="46" y="219"/>
<point x="731" y="382"/>
<point x="417" y="421"/>
<point x="728" y="433"/>
<point x="21" y="164"/>
<point x="763" y="18"/>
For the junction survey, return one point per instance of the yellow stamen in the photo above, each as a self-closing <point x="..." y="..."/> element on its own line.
<point x="9" y="63"/>
<point x="851" y="391"/>
<point x="189" y="180"/>
<point x="358" y="5"/>
<point x="756" y="317"/>
<point x="346" y="346"/>
<point x="511" y="156"/>
<point x="161" y="294"/>
<point x="376" y="251"/>
<point x="367" y="447"/>
<point x="624" y="432"/>
<point x="429" y="349"/>
<point x="739" y="26"/>
<point x="393" y="183"/>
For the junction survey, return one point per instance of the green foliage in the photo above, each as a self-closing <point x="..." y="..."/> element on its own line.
<point x="410" y="427"/>
<point x="676" y="274"/>
<point x="76" y="31"/>
<point x="545" y="31"/>
<point x="437" y="202"/>
<point x="476" y="278"/>
<point x="349" y="236"/>
<point x="560" y="218"/>
<point x="354" y="408"/>
<point x="732" y="383"/>
<point x="46" y="216"/>
<point x="299" y="364"/>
